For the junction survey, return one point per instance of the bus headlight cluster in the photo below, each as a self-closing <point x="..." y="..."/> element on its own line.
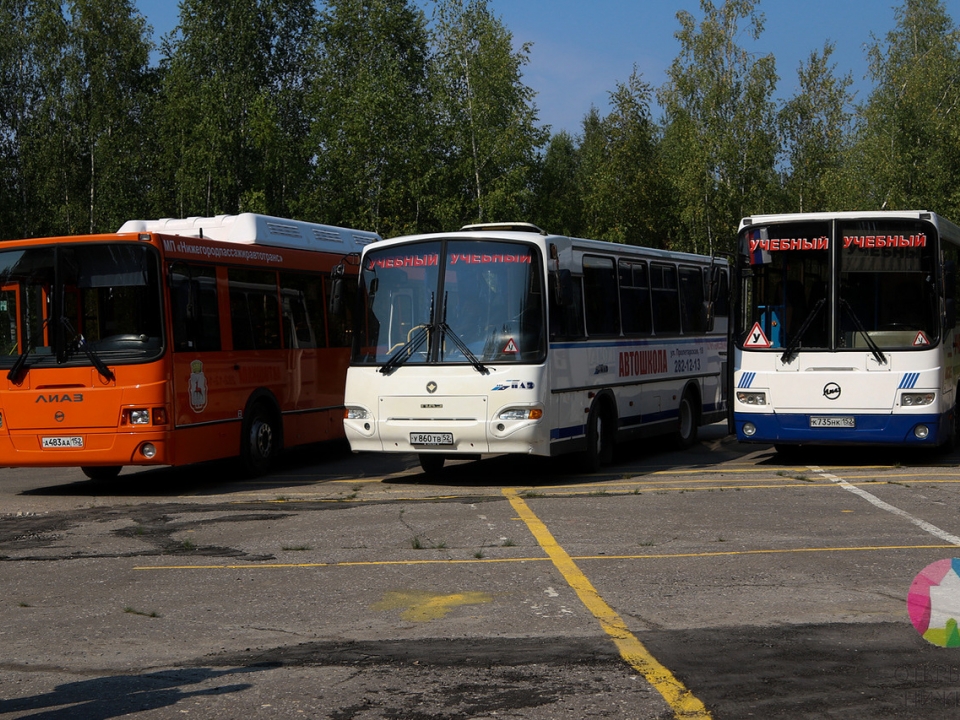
<point x="355" y="413"/>
<point x="917" y="398"/>
<point x="752" y="398"/>
<point x="521" y="414"/>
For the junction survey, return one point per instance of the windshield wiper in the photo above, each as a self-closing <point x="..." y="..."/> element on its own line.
<point x="458" y="341"/>
<point x="407" y="349"/>
<point x="410" y="346"/>
<point x="20" y="366"/>
<point x="88" y="351"/>
<point x="794" y="344"/>
<point x="877" y="352"/>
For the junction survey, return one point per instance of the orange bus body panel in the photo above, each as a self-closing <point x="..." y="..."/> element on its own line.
<point x="71" y="415"/>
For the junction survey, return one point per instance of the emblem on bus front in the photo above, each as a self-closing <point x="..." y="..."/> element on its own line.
<point x="431" y="387"/>
<point x="831" y="391"/>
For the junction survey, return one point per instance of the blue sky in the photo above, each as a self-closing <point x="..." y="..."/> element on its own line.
<point x="583" y="48"/>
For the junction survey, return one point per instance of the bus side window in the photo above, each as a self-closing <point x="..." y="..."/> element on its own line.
<point x="694" y="319"/>
<point x="600" y="295"/>
<point x="9" y="316"/>
<point x="303" y="319"/>
<point x="666" y="299"/>
<point x="634" y="297"/>
<point x="566" y="321"/>
<point x="194" y="310"/>
<point x="254" y="311"/>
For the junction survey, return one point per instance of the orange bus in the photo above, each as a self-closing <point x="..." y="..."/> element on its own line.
<point x="172" y="342"/>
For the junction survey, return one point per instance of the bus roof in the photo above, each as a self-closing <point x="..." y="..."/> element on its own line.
<point x="946" y="227"/>
<point x="255" y="229"/>
<point x="525" y="232"/>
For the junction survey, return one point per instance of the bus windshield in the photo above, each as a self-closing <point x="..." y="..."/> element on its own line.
<point x="842" y="285"/>
<point x="451" y="301"/>
<point x="63" y="304"/>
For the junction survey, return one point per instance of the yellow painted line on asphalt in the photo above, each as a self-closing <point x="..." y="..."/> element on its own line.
<point x="683" y="702"/>
<point x="478" y="561"/>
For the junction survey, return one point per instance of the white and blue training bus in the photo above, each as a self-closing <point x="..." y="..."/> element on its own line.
<point x="501" y="338"/>
<point x="846" y="329"/>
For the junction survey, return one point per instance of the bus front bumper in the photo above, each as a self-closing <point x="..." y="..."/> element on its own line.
<point x="796" y="429"/>
<point x="26" y="449"/>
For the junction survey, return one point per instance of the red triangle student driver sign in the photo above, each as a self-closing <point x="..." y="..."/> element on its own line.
<point x="756" y="338"/>
<point x="511" y="348"/>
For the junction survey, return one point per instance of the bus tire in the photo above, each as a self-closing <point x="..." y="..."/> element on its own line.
<point x="101" y="473"/>
<point x="599" y="450"/>
<point x="431" y="463"/>
<point x="260" y="440"/>
<point x="689" y="420"/>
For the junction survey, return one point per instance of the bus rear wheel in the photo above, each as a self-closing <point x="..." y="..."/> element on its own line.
<point x="260" y="441"/>
<point x="101" y="473"/>
<point x="689" y="420"/>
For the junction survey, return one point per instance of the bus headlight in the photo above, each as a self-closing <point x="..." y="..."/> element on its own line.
<point x="752" y="398"/>
<point x="133" y="416"/>
<point x="749" y="429"/>
<point x="913" y="399"/>
<point x="521" y="414"/>
<point x="355" y="413"/>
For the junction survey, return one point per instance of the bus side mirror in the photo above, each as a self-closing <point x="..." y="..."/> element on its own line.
<point x="336" y="290"/>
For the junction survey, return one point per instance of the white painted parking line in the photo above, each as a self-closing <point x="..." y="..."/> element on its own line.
<point x="874" y="500"/>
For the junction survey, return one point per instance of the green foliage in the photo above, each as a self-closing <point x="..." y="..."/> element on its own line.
<point x="720" y="135"/>
<point x="232" y="128"/>
<point x="370" y="136"/>
<point x="909" y="145"/>
<point x="486" y="117"/>
<point x="622" y="178"/>
<point x="816" y="133"/>
<point x="363" y="113"/>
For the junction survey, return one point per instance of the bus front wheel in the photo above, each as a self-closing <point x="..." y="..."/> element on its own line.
<point x="102" y="473"/>
<point x="260" y="442"/>
<point x="599" y="449"/>
<point x="431" y="463"/>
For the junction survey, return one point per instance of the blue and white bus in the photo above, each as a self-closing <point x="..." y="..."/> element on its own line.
<point x="501" y="338"/>
<point x="845" y="329"/>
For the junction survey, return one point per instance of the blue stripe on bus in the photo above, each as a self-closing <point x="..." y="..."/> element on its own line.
<point x="909" y="381"/>
<point x="794" y="428"/>
<point x="568" y="432"/>
<point x="746" y="380"/>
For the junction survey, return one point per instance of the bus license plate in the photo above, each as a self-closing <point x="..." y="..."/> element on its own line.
<point x="832" y="422"/>
<point x="431" y="438"/>
<point x="75" y="441"/>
